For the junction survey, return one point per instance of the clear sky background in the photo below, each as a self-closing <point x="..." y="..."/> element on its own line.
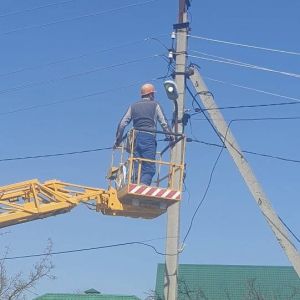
<point x="87" y="96"/>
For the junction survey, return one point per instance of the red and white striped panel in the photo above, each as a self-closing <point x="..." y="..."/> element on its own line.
<point x="152" y="191"/>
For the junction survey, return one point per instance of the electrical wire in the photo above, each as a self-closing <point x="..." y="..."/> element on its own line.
<point x="236" y="61"/>
<point x="141" y="243"/>
<point x="212" y="171"/>
<point x="77" y="18"/>
<point x="246" y="65"/>
<point x="90" y="206"/>
<point x="60" y="61"/>
<point x="186" y="190"/>
<point x="249" y="106"/>
<point x="209" y="183"/>
<point x="167" y="59"/>
<point x="35" y="8"/>
<point x="158" y="41"/>
<point x="272" y="156"/>
<point x="290" y="230"/>
<point x="257" y="153"/>
<point x="279" y="229"/>
<point x="266" y="119"/>
<point x="245" y="119"/>
<point x="219" y="135"/>
<point x="222" y="139"/>
<point x="246" y="151"/>
<point x="74" y="75"/>
<point x="223" y="146"/>
<point x="216" y="56"/>
<point x="252" y="89"/>
<point x="203" y="197"/>
<point x="258" y="119"/>
<point x="201" y="110"/>
<point x="78" y="98"/>
<point x="245" y="45"/>
<point x="194" y="139"/>
<point x="169" y="66"/>
<point x="55" y="154"/>
<point x="204" y="114"/>
<point x="295" y="100"/>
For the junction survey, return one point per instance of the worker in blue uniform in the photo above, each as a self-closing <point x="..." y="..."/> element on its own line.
<point x="144" y="114"/>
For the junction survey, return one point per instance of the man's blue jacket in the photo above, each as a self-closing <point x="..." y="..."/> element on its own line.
<point x="144" y="113"/>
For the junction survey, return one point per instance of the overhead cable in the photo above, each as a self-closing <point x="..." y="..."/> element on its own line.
<point x="78" y="17"/>
<point x="252" y="152"/>
<point x="132" y="243"/>
<point x="246" y="65"/>
<point x="74" y="75"/>
<point x="55" y="154"/>
<point x="290" y="230"/>
<point x="266" y="119"/>
<point x="209" y="183"/>
<point x="245" y="45"/>
<point x="272" y="156"/>
<point x="204" y="114"/>
<point x="248" y="119"/>
<point x="223" y="139"/>
<point x="234" y="61"/>
<point x="78" y="98"/>
<point x="252" y="89"/>
<point x="159" y="42"/>
<point x="35" y="8"/>
<point x="223" y="146"/>
<point x="211" y="173"/>
<point x="248" y="106"/>
<point x="281" y="232"/>
<point x="203" y="197"/>
<point x="109" y="148"/>
<point x="64" y="60"/>
<point x="246" y="151"/>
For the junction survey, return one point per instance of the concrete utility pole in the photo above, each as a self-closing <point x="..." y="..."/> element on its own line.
<point x="233" y="148"/>
<point x="172" y="244"/>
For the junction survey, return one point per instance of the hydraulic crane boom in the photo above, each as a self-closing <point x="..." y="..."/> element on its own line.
<point x="31" y="200"/>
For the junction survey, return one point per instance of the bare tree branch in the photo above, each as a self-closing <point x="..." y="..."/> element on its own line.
<point x="253" y="293"/>
<point x="16" y="286"/>
<point x="153" y="295"/>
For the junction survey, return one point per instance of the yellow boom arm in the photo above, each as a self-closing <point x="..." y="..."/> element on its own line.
<point x="32" y="200"/>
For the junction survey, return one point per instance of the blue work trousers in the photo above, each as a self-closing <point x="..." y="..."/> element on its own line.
<point x="145" y="147"/>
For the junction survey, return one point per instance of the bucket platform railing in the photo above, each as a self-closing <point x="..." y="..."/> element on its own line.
<point x="126" y="172"/>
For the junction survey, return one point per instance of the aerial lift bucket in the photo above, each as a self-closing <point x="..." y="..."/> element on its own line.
<point x="140" y="200"/>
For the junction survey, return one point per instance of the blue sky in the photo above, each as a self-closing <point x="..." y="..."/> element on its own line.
<point x="229" y="228"/>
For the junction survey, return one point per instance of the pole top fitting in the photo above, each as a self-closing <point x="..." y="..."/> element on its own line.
<point x="182" y="25"/>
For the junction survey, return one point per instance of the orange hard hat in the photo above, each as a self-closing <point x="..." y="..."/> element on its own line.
<point x="147" y="88"/>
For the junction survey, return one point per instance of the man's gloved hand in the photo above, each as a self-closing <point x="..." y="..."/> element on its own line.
<point x="171" y="139"/>
<point x="117" y="143"/>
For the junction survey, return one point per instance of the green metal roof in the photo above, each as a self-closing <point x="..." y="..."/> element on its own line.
<point x="85" y="297"/>
<point x="221" y="282"/>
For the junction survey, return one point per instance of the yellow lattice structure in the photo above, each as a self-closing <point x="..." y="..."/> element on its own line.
<point x="32" y="200"/>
